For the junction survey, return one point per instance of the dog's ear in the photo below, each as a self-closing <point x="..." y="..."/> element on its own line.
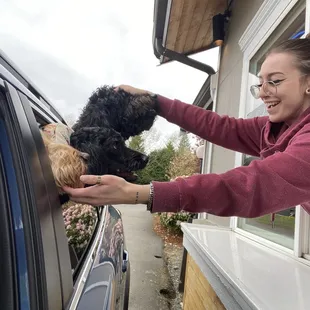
<point x="84" y="155"/>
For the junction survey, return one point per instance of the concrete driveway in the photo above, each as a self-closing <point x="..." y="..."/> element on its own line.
<point x="149" y="275"/>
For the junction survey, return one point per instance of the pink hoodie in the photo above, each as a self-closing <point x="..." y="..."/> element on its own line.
<point x="280" y="181"/>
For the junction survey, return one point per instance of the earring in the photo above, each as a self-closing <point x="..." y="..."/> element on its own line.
<point x="308" y="91"/>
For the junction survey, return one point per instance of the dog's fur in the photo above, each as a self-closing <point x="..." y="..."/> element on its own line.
<point x="107" y="151"/>
<point x="67" y="163"/>
<point x="108" y="119"/>
<point x="127" y="114"/>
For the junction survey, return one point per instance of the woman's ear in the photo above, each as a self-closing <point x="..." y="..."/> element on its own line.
<point x="308" y="85"/>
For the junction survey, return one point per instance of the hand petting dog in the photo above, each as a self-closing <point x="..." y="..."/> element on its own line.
<point x="108" y="189"/>
<point x="109" y="118"/>
<point x="132" y="90"/>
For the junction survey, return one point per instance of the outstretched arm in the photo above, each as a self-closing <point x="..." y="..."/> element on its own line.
<point x="241" y="135"/>
<point x="265" y="186"/>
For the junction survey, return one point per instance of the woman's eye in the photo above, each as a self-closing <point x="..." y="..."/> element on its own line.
<point x="277" y="81"/>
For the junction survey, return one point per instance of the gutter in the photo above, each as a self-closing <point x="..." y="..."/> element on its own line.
<point x="164" y="52"/>
<point x="160" y="15"/>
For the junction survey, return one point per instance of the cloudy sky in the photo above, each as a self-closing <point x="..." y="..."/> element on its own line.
<point x="70" y="47"/>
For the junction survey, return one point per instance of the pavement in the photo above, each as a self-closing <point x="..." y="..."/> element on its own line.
<point x="150" y="283"/>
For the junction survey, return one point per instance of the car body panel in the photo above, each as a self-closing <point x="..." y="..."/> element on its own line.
<point x="104" y="277"/>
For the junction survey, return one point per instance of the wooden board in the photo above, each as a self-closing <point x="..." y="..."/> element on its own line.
<point x="198" y="293"/>
<point x="190" y="24"/>
<point x="186" y="18"/>
<point x="174" y="22"/>
<point x="195" y="24"/>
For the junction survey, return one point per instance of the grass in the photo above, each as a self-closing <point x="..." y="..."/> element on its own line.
<point x="280" y="220"/>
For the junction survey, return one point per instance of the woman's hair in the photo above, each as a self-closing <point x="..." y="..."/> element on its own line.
<point x="300" y="48"/>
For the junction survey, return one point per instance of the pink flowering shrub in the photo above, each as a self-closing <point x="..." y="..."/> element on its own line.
<point x="80" y="223"/>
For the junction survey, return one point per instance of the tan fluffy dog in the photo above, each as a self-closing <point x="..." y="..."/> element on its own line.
<point x="67" y="163"/>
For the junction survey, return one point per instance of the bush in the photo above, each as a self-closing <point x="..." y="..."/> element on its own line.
<point x="184" y="163"/>
<point x="80" y="222"/>
<point x="156" y="169"/>
<point x="172" y="221"/>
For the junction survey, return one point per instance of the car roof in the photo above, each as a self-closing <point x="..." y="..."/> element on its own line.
<point x="11" y="73"/>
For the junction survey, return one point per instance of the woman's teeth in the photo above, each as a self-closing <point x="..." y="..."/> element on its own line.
<point x="272" y="105"/>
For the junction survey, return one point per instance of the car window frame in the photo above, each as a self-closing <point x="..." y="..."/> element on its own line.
<point x="32" y="114"/>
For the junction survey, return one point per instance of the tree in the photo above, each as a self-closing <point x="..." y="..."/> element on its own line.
<point x="157" y="168"/>
<point x="153" y="140"/>
<point x="184" y="144"/>
<point x="198" y="141"/>
<point x="137" y="143"/>
<point x="184" y="161"/>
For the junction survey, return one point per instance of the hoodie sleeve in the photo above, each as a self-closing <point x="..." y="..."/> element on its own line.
<point x="241" y="135"/>
<point x="265" y="186"/>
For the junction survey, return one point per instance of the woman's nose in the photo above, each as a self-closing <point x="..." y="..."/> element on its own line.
<point x="264" y="92"/>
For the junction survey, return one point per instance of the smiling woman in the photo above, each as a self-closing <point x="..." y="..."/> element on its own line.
<point x="282" y="87"/>
<point x="276" y="81"/>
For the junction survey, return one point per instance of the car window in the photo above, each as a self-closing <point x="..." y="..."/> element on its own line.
<point x="80" y="221"/>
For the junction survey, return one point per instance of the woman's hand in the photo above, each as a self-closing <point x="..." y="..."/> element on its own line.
<point x="108" y="189"/>
<point x="133" y="90"/>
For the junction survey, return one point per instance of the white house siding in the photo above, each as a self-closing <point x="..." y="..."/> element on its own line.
<point x="229" y="86"/>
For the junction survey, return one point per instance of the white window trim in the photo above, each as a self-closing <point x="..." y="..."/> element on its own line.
<point x="266" y="20"/>
<point x="207" y="167"/>
<point x="216" y="82"/>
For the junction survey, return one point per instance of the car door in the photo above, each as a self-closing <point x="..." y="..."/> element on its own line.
<point x="36" y="254"/>
<point x="104" y="278"/>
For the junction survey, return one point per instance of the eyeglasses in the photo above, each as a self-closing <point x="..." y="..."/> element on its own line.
<point x="269" y="87"/>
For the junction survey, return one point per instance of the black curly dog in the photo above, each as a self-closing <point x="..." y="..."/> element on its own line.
<point x="108" y="119"/>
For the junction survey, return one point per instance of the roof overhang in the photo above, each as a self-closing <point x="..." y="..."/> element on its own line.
<point x="183" y="27"/>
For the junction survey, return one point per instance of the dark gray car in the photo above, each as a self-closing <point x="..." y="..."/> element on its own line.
<point x="39" y="269"/>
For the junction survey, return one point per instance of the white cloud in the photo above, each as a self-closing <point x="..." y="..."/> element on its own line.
<point x="70" y="47"/>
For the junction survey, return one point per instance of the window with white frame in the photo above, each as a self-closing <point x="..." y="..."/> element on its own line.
<point x="278" y="227"/>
